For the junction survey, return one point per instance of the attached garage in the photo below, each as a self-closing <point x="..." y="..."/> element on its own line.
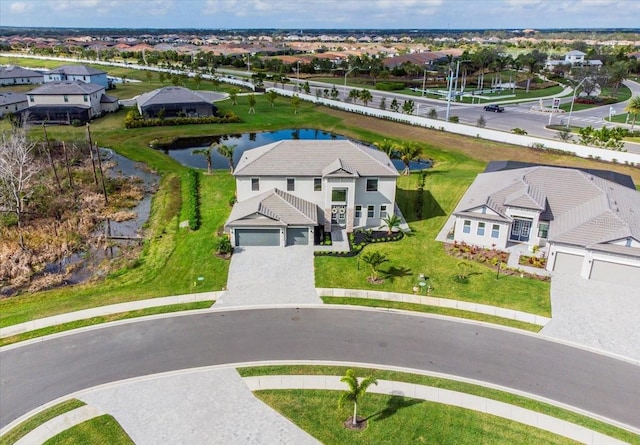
<point x="297" y="236"/>
<point x="257" y="237"/>
<point x="615" y="273"/>
<point x="568" y="263"/>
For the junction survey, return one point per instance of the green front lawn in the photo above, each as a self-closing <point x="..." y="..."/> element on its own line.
<point x="399" y="420"/>
<point x="102" y="430"/>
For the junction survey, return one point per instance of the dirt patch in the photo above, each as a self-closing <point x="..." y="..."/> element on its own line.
<point x="479" y="149"/>
<point x="360" y="425"/>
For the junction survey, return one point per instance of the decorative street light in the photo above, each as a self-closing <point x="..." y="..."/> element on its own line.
<point x="345" y="80"/>
<point x="451" y="78"/>
<point x="575" y="90"/>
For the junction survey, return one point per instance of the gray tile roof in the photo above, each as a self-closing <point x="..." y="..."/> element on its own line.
<point x="68" y="87"/>
<point x="13" y="71"/>
<point x="583" y="209"/>
<point x="274" y="207"/>
<point x="166" y="95"/>
<point x="77" y="70"/>
<point x="8" y="98"/>
<point x="314" y="158"/>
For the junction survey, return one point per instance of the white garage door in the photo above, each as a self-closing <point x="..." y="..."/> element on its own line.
<point x="257" y="237"/>
<point x="568" y="263"/>
<point x="615" y="273"/>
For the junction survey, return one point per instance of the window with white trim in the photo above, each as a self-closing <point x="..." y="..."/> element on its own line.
<point x="317" y="184"/>
<point x="291" y="185"/>
<point x="543" y="229"/>
<point x="255" y="184"/>
<point x="358" y="211"/>
<point x="371" y="211"/>
<point x="495" y="231"/>
<point x="466" y="226"/>
<point x="480" y="230"/>
<point x="372" y="184"/>
<point x="383" y="212"/>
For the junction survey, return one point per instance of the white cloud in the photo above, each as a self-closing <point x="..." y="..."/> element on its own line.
<point x="20" y="7"/>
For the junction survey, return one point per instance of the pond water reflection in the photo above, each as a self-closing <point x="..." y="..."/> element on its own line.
<point x="247" y="141"/>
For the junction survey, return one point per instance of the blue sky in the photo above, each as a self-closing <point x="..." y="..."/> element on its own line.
<point x="339" y="14"/>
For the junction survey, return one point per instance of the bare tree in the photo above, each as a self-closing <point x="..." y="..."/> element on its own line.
<point x="17" y="170"/>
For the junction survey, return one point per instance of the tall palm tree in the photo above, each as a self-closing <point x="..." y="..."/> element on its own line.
<point x="365" y="96"/>
<point x="356" y="390"/>
<point x="408" y="153"/>
<point x="227" y="152"/>
<point x="206" y="152"/>
<point x="633" y="107"/>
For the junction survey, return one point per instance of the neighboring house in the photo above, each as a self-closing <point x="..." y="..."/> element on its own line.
<point x="175" y="101"/>
<point x="588" y="222"/>
<point x="68" y="101"/>
<point x="12" y="103"/>
<point x="15" y="75"/>
<point x="573" y="58"/>
<point x="80" y="73"/>
<point x="292" y="191"/>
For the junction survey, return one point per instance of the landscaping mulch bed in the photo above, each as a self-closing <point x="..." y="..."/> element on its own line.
<point x="360" y="238"/>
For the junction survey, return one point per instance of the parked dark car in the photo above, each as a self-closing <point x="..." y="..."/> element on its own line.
<point x="494" y="108"/>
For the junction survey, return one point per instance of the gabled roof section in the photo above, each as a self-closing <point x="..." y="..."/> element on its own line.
<point x="280" y="207"/>
<point x="13" y="71"/>
<point x="339" y="168"/>
<point x="166" y="95"/>
<point x="9" y="98"/>
<point x="68" y="87"/>
<point x="311" y="157"/>
<point x="76" y="70"/>
<point x="528" y="197"/>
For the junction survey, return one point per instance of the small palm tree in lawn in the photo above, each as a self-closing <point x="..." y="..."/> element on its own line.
<point x="227" y="152"/>
<point x="206" y="152"/>
<point x="251" y="99"/>
<point x="633" y="107"/>
<point x="392" y="222"/>
<point x="374" y="260"/>
<point x="389" y="147"/>
<point x="409" y="153"/>
<point x="355" y="392"/>
<point x="271" y="97"/>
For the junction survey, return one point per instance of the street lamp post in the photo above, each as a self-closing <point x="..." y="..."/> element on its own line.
<point x="345" y="81"/>
<point x="424" y="81"/>
<point x="451" y="86"/>
<point x="575" y="90"/>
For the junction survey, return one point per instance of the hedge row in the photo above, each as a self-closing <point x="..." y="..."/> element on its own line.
<point x="390" y="86"/>
<point x="228" y="118"/>
<point x="193" y="199"/>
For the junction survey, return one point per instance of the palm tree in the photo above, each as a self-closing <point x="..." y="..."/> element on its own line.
<point x="295" y="103"/>
<point x="389" y="147"/>
<point x="354" y="95"/>
<point x="392" y="222"/>
<point x="206" y="152"/>
<point x="251" y="98"/>
<point x="226" y="151"/>
<point x="409" y="153"/>
<point x="356" y="390"/>
<point x="365" y="96"/>
<point x="374" y="260"/>
<point x="633" y="107"/>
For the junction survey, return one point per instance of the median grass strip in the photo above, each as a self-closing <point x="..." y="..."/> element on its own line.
<point x="432" y="310"/>
<point x="104" y="319"/>
<point x="101" y="430"/>
<point x="452" y="385"/>
<point x="34" y="422"/>
<point x="401" y="420"/>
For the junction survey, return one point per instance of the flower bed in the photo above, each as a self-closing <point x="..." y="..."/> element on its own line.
<point x="533" y="261"/>
<point x="360" y="238"/>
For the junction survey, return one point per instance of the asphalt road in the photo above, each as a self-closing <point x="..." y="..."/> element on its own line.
<point x="40" y="372"/>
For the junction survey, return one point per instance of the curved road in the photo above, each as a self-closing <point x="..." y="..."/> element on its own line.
<point x="37" y="373"/>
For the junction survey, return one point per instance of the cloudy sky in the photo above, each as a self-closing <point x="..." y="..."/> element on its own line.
<point x="339" y="14"/>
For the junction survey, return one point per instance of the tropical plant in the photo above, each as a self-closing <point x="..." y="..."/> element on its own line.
<point x="354" y="95"/>
<point x="365" y="96"/>
<point x="389" y="147"/>
<point x="408" y="153"/>
<point x="633" y="107"/>
<point x="223" y="245"/>
<point x="433" y="114"/>
<point x="271" y="97"/>
<point x="392" y="222"/>
<point x="395" y="105"/>
<point x="356" y="391"/>
<point x="251" y="99"/>
<point x="564" y="134"/>
<point x="227" y="152"/>
<point x="233" y="95"/>
<point x="206" y="152"/>
<point x="374" y="259"/>
<point x="408" y="107"/>
<point x="295" y="103"/>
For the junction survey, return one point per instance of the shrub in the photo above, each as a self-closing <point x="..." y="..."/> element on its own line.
<point x="390" y="86"/>
<point x="193" y="202"/>
<point x="223" y="245"/>
<point x="228" y="117"/>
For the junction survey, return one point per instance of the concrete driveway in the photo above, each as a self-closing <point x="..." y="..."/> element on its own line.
<point x="270" y="276"/>
<point x="596" y="314"/>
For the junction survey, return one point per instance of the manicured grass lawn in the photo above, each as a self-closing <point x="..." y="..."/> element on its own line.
<point x="34" y="422"/>
<point x="400" y="420"/>
<point x="104" y="319"/>
<point x="432" y="310"/>
<point x="419" y="252"/>
<point x="102" y="430"/>
<point x="452" y="385"/>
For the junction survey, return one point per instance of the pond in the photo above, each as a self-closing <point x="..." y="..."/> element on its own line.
<point x="247" y="141"/>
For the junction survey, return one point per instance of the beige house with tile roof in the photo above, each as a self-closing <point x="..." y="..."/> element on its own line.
<point x="289" y="192"/>
<point x="588" y="225"/>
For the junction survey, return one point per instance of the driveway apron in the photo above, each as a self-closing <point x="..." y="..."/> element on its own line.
<point x="270" y="275"/>
<point x="596" y="314"/>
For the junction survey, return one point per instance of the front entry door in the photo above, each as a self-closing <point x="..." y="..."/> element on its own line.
<point x="520" y="230"/>
<point x="339" y="215"/>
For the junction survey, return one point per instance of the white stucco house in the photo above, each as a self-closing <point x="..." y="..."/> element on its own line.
<point x="289" y="192"/>
<point x="587" y="221"/>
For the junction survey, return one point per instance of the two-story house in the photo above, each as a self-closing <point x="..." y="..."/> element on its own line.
<point x="68" y="101"/>
<point x="289" y="192"/>
<point x="16" y="75"/>
<point x="80" y="73"/>
<point x="587" y="221"/>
